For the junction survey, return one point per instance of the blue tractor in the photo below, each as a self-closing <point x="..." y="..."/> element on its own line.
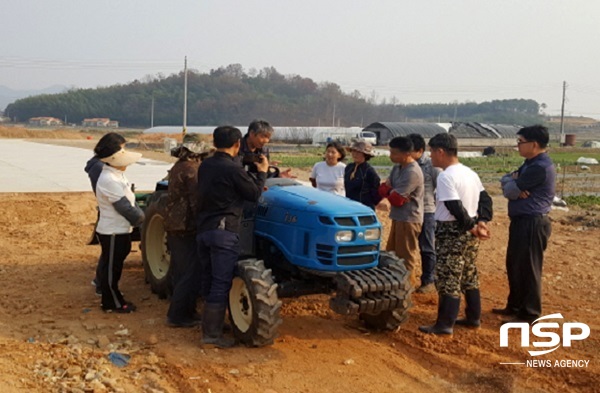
<point x="296" y="241"/>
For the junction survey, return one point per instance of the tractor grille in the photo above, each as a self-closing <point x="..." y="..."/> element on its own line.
<point x="327" y="254"/>
<point x="356" y="249"/>
<point x="366" y="220"/>
<point x="348" y="221"/>
<point x="325" y="220"/>
<point x="354" y="261"/>
<point x="345" y="221"/>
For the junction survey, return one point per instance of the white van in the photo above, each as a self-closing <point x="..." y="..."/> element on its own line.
<point x="324" y="135"/>
<point x="367" y="136"/>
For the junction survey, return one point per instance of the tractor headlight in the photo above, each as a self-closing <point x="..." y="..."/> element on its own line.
<point x="343" y="236"/>
<point x="373" y="234"/>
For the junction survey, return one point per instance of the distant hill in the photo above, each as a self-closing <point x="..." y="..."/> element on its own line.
<point x="586" y="126"/>
<point x="232" y="95"/>
<point x="8" y="95"/>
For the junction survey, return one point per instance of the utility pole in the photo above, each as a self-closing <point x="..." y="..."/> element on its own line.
<point x="184" y="99"/>
<point x="562" y="116"/>
<point x="455" y="110"/>
<point x="333" y="119"/>
<point x="152" y="113"/>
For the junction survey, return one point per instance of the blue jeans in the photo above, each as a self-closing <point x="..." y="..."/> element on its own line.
<point x="218" y="251"/>
<point x="427" y="247"/>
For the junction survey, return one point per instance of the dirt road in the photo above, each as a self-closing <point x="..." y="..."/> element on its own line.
<point x="55" y="338"/>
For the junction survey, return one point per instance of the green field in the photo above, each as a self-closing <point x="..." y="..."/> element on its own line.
<point x="505" y="162"/>
<point x="580" y="185"/>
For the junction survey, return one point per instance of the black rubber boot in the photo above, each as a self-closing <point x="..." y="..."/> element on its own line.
<point x="473" y="309"/>
<point x="447" y="312"/>
<point x="213" y="320"/>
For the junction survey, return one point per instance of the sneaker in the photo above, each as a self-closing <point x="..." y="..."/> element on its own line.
<point x="427" y="288"/>
<point x="96" y="284"/>
<point x="124" y="309"/>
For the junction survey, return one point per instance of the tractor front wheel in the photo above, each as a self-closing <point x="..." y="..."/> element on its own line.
<point x="253" y="304"/>
<point x="155" y="251"/>
<point x="392" y="319"/>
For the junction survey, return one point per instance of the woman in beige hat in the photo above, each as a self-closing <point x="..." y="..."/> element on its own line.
<point x="360" y="178"/>
<point x="118" y="215"/>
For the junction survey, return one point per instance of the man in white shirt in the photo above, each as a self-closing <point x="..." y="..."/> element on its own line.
<point x="463" y="208"/>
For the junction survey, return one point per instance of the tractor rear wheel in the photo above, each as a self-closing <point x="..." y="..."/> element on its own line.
<point x="253" y="304"/>
<point x="392" y="319"/>
<point x="155" y="251"/>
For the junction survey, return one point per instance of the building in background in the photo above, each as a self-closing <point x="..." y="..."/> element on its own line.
<point x="100" y="122"/>
<point x="45" y="121"/>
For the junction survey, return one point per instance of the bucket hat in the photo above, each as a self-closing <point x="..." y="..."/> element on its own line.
<point x="194" y="143"/>
<point x="364" y="147"/>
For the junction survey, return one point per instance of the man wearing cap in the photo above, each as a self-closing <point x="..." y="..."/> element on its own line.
<point x="118" y="215"/>
<point x="463" y="209"/>
<point x="223" y="188"/>
<point x="361" y="181"/>
<point x="180" y="225"/>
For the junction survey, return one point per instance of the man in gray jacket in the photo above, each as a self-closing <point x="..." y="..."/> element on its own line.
<point x="404" y="191"/>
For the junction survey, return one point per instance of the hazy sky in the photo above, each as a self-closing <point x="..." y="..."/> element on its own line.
<point x="418" y="51"/>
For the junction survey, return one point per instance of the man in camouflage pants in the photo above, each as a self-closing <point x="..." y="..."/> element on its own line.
<point x="463" y="208"/>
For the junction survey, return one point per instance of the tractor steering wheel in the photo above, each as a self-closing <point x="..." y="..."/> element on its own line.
<point x="272" y="172"/>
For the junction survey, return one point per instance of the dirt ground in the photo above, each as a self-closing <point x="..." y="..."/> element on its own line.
<point x="55" y="338"/>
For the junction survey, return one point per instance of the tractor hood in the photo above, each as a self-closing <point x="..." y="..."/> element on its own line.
<point x="303" y="198"/>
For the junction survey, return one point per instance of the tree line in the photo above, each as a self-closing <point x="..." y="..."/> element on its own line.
<point x="232" y="95"/>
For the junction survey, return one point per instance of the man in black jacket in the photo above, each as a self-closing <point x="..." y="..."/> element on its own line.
<point x="254" y="144"/>
<point x="223" y="187"/>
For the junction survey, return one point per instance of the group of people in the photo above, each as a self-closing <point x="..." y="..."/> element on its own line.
<point x="410" y="189"/>
<point x="439" y="212"/>
<point x="202" y="220"/>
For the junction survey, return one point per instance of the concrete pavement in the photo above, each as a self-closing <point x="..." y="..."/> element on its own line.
<point x="37" y="167"/>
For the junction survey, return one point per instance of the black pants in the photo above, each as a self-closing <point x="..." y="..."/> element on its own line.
<point x="218" y="251"/>
<point x="527" y="241"/>
<point x="187" y="276"/>
<point x="115" y="249"/>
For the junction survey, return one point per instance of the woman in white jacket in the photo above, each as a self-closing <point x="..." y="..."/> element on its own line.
<point x="118" y="214"/>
